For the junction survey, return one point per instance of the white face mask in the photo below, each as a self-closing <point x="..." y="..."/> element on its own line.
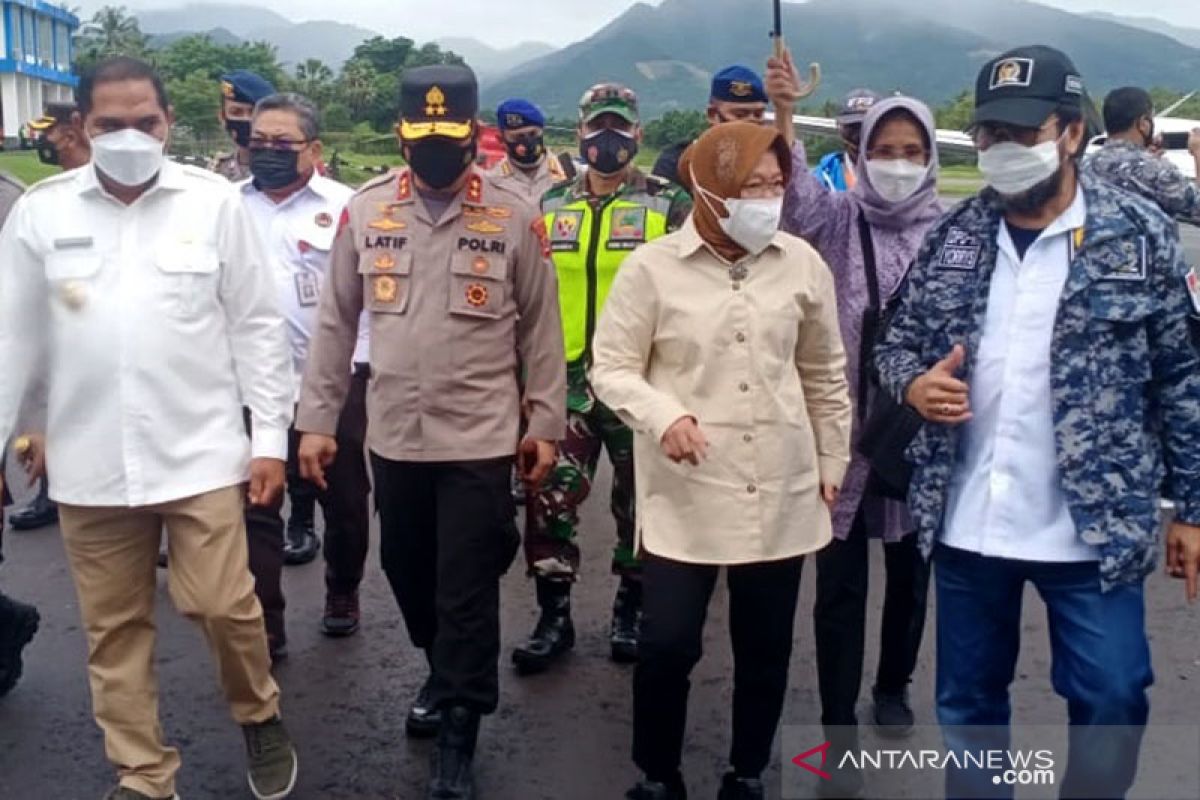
<point x="752" y="223"/>
<point x="896" y="180"/>
<point x="128" y="156"/>
<point x="1012" y="168"/>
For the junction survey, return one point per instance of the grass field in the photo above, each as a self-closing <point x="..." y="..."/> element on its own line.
<point x="24" y="166"/>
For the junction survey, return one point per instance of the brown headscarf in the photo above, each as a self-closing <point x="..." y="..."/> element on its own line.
<point x="721" y="161"/>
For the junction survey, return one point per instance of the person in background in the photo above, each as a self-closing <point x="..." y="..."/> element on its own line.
<point x="528" y="169"/>
<point x="456" y="276"/>
<point x="1047" y="334"/>
<point x="61" y="142"/>
<point x="719" y="347"/>
<point x="836" y="170"/>
<point x="594" y="221"/>
<point x="295" y="211"/>
<point x="240" y="90"/>
<point x="1128" y="158"/>
<point x="879" y="226"/>
<point x="736" y="93"/>
<point x="125" y="321"/>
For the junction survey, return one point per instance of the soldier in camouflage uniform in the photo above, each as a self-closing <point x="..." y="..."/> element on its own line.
<point x="1126" y="160"/>
<point x="1071" y="389"/>
<point x="594" y="221"/>
<point x="240" y="90"/>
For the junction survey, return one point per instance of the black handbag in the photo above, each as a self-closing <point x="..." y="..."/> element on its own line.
<point x="887" y="427"/>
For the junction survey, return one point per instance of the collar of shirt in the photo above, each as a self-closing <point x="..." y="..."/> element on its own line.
<point x="1072" y="219"/>
<point x="170" y="178"/>
<point x="690" y="240"/>
<point x="315" y="186"/>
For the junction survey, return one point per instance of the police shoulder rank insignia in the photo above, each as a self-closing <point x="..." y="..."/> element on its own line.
<point x="385" y="289"/>
<point x="539" y="230"/>
<point x="960" y="251"/>
<point x="1193" y="287"/>
<point x="404" y="185"/>
<point x="477" y="295"/>
<point x="475" y="189"/>
<point x="323" y="220"/>
<point x="1012" y="72"/>
<point x="485" y="226"/>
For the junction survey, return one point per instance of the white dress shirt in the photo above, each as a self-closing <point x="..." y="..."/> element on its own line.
<point x="158" y="322"/>
<point x="297" y="237"/>
<point x="1005" y="497"/>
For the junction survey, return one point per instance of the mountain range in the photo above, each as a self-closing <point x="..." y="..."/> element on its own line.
<point x="667" y="52"/>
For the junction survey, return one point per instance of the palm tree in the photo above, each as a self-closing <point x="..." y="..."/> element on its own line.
<point x="112" y="31"/>
<point x="315" y="80"/>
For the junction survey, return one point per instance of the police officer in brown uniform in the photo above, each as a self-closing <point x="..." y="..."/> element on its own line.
<point x="456" y="276"/>
<point x="528" y="169"/>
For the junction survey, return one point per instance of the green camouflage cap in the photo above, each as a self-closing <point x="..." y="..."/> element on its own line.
<point x="608" y="98"/>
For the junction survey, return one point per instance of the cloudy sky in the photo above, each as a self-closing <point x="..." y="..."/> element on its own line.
<point x="507" y="22"/>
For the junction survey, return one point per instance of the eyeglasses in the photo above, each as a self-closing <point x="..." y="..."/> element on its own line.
<point x="282" y="143"/>
<point x="987" y="134"/>
<point x="914" y="153"/>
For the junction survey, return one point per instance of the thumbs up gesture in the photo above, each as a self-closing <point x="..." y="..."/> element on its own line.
<point x="938" y="395"/>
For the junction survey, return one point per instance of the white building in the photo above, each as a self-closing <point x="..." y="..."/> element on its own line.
<point x="35" y="61"/>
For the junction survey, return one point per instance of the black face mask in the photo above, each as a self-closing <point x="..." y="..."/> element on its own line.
<point x="47" y="152"/>
<point x="274" y="169"/>
<point x="527" y="150"/>
<point x="608" y="151"/>
<point x="239" y="129"/>
<point x="439" y="162"/>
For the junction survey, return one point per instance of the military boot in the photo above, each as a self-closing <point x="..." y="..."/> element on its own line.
<point x="626" y="621"/>
<point x="554" y="633"/>
<point x="450" y="775"/>
<point x="18" y="624"/>
<point x="300" y="544"/>
<point x="42" y="511"/>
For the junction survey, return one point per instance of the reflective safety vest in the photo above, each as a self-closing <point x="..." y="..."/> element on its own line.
<point x="588" y="240"/>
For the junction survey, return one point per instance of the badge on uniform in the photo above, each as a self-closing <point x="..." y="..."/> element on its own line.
<point x="385" y="289"/>
<point x="480" y="265"/>
<point x="308" y="289"/>
<point x="385" y="262"/>
<point x="485" y="226"/>
<point x="1133" y="267"/>
<point x="499" y="212"/>
<point x="960" y="251"/>
<point x="477" y="295"/>
<point x="564" y="231"/>
<point x="387" y="224"/>
<point x="323" y="220"/>
<point x="627" y="228"/>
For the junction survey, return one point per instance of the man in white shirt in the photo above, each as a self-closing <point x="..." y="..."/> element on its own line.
<point x="137" y="288"/>
<point x="296" y="211"/>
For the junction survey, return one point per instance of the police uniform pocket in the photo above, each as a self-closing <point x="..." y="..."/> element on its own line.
<point x="189" y="279"/>
<point x="1121" y="351"/>
<point x="387" y="281"/>
<point x="72" y="275"/>
<point x="477" y="285"/>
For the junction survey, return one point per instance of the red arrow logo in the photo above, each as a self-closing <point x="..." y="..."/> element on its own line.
<point x="802" y="760"/>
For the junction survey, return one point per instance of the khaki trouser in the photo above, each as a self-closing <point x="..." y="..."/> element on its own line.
<point x="113" y="554"/>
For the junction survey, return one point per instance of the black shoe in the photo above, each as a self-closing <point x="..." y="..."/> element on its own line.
<point x="301" y="544"/>
<point x="653" y="790"/>
<point x="278" y="652"/>
<point x="450" y="763"/>
<point x="893" y="715"/>
<point x="626" y="621"/>
<point x="424" y="719"/>
<point x="554" y="633"/>
<point x="42" y="511"/>
<point x="735" y="788"/>
<point x="341" y="615"/>
<point x="18" y="624"/>
<point x="844" y="782"/>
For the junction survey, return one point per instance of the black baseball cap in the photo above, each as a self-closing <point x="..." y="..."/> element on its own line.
<point x="438" y="100"/>
<point x="1023" y="87"/>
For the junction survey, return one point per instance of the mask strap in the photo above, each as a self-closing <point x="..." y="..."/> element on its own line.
<point x="705" y="194"/>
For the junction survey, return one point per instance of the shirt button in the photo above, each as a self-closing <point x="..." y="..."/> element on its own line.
<point x="747" y="438"/>
<point x="751" y="489"/>
<point x="737" y="286"/>
<point x="741" y="337"/>
<point x="745" y="387"/>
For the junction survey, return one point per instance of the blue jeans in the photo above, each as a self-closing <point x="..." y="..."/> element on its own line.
<point x="1100" y="661"/>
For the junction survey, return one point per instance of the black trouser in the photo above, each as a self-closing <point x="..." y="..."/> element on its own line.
<point x="264" y="536"/>
<point x="344" y="504"/>
<point x="840" y="618"/>
<point x="762" y="610"/>
<point x="447" y="534"/>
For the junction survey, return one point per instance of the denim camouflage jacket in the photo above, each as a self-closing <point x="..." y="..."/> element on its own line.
<point x="1124" y="373"/>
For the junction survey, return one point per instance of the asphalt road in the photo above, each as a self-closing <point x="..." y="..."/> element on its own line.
<point x="561" y="735"/>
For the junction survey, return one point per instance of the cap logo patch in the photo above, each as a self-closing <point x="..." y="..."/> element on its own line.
<point x="227" y="89"/>
<point x="740" y="88"/>
<point x="514" y="120"/>
<point x="860" y="103"/>
<point x="1074" y="85"/>
<point x="1012" y="72"/>
<point x="435" y="102"/>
